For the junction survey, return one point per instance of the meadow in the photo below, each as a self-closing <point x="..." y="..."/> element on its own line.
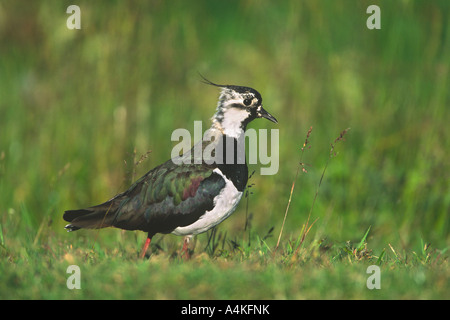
<point x="84" y="113"/>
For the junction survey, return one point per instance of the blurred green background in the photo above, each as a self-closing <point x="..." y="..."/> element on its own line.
<point x="75" y="104"/>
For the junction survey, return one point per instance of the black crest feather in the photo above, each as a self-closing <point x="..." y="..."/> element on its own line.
<point x="240" y="89"/>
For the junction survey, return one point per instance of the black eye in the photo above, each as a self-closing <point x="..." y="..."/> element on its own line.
<point x="248" y="102"/>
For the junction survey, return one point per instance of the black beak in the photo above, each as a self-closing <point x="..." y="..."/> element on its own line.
<point x="264" y="114"/>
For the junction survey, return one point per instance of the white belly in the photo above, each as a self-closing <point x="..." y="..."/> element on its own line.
<point x="224" y="205"/>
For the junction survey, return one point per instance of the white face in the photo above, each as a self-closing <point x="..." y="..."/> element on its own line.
<point x="232" y="120"/>
<point x="238" y="106"/>
<point x="234" y="109"/>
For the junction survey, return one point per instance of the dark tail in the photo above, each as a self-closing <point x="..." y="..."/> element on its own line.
<point x="97" y="217"/>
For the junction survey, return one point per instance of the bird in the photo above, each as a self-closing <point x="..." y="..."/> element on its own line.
<point x="191" y="193"/>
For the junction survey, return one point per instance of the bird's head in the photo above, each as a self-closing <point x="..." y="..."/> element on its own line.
<point x="237" y="106"/>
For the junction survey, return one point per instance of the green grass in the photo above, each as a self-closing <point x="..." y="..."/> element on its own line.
<point x="111" y="270"/>
<point x="78" y="108"/>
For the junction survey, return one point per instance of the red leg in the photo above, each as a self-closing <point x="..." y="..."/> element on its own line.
<point x="185" y="250"/>
<point x="145" y="247"/>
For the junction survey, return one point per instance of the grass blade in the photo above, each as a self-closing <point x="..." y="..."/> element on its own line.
<point x="363" y="240"/>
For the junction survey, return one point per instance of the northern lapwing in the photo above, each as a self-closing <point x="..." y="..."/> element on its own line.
<point x="186" y="195"/>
